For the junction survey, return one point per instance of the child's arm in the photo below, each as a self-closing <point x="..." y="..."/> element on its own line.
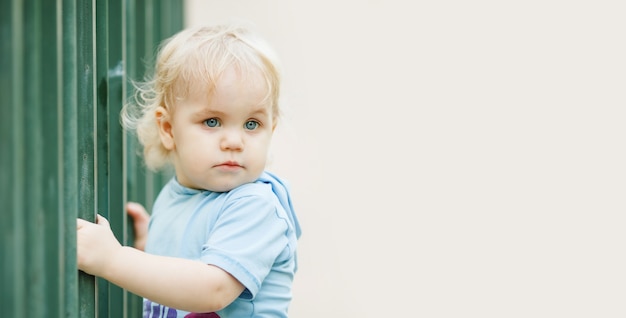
<point x="173" y="282"/>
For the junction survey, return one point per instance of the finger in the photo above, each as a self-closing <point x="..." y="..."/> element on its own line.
<point x="80" y="223"/>
<point x="100" y="220"/>
<point x="137" y="212"/>
<point x="140" y="217"/>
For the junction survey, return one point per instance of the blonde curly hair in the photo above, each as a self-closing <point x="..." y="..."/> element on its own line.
<point x="192" y="56"/>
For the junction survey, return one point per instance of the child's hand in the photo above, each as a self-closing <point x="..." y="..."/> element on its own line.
<point x="141" y="218"/>
<point x="96" y="245"/>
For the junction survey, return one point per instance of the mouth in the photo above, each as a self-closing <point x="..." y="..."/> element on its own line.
<point x="229" y="165"/>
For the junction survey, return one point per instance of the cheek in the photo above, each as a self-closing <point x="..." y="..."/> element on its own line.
<point x="190" y="149"/>
<point x="188" y="137"/>
<point x="262" y="151"/>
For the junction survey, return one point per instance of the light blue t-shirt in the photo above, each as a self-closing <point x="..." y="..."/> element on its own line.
<point x="250" y="232"/>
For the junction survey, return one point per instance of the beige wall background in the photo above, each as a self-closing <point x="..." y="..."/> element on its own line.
<point x="451" y="158"/>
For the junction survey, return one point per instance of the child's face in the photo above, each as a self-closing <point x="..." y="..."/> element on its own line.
<point x="221" y="140"/>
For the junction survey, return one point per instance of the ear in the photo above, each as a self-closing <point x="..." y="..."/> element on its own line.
<point x="164" y="123"/>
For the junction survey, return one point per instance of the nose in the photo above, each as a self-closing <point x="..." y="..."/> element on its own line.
<point x="232" y="140"/>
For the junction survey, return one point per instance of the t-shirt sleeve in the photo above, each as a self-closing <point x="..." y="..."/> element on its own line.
<point x="248" y="235"/>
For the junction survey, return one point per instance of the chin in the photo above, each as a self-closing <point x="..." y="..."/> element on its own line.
<point x="225" y="187"/>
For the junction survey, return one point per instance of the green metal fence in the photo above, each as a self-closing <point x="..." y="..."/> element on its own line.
<point x="64" y="72"/>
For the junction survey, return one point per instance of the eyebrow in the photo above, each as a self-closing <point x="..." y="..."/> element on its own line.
<point x="205" y="112"/>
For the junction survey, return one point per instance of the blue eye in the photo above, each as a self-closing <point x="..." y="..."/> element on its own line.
<point x="212" y="122"/>
<point x="251" y="125"/>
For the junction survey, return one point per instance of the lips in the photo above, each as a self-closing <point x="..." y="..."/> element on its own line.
<point x="229" y="164"/>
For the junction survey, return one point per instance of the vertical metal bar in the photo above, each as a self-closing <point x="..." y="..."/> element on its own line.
<point x="115" y="75"/>
<point x="68" y="146"/>
<point x="85" y="97"/>
<point x="12" y="296"/>
<point x="33" y="216"/>
<point x="133" y="304"/>
<point x="101" y="37"/>
<point x="48" y="98"/>
<point x="18" y="221"/>
<point x="135" y="39"/>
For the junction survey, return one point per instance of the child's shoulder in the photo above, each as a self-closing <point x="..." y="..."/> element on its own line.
<point x="257" y="188"/>
<point x="267" y="185"/>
